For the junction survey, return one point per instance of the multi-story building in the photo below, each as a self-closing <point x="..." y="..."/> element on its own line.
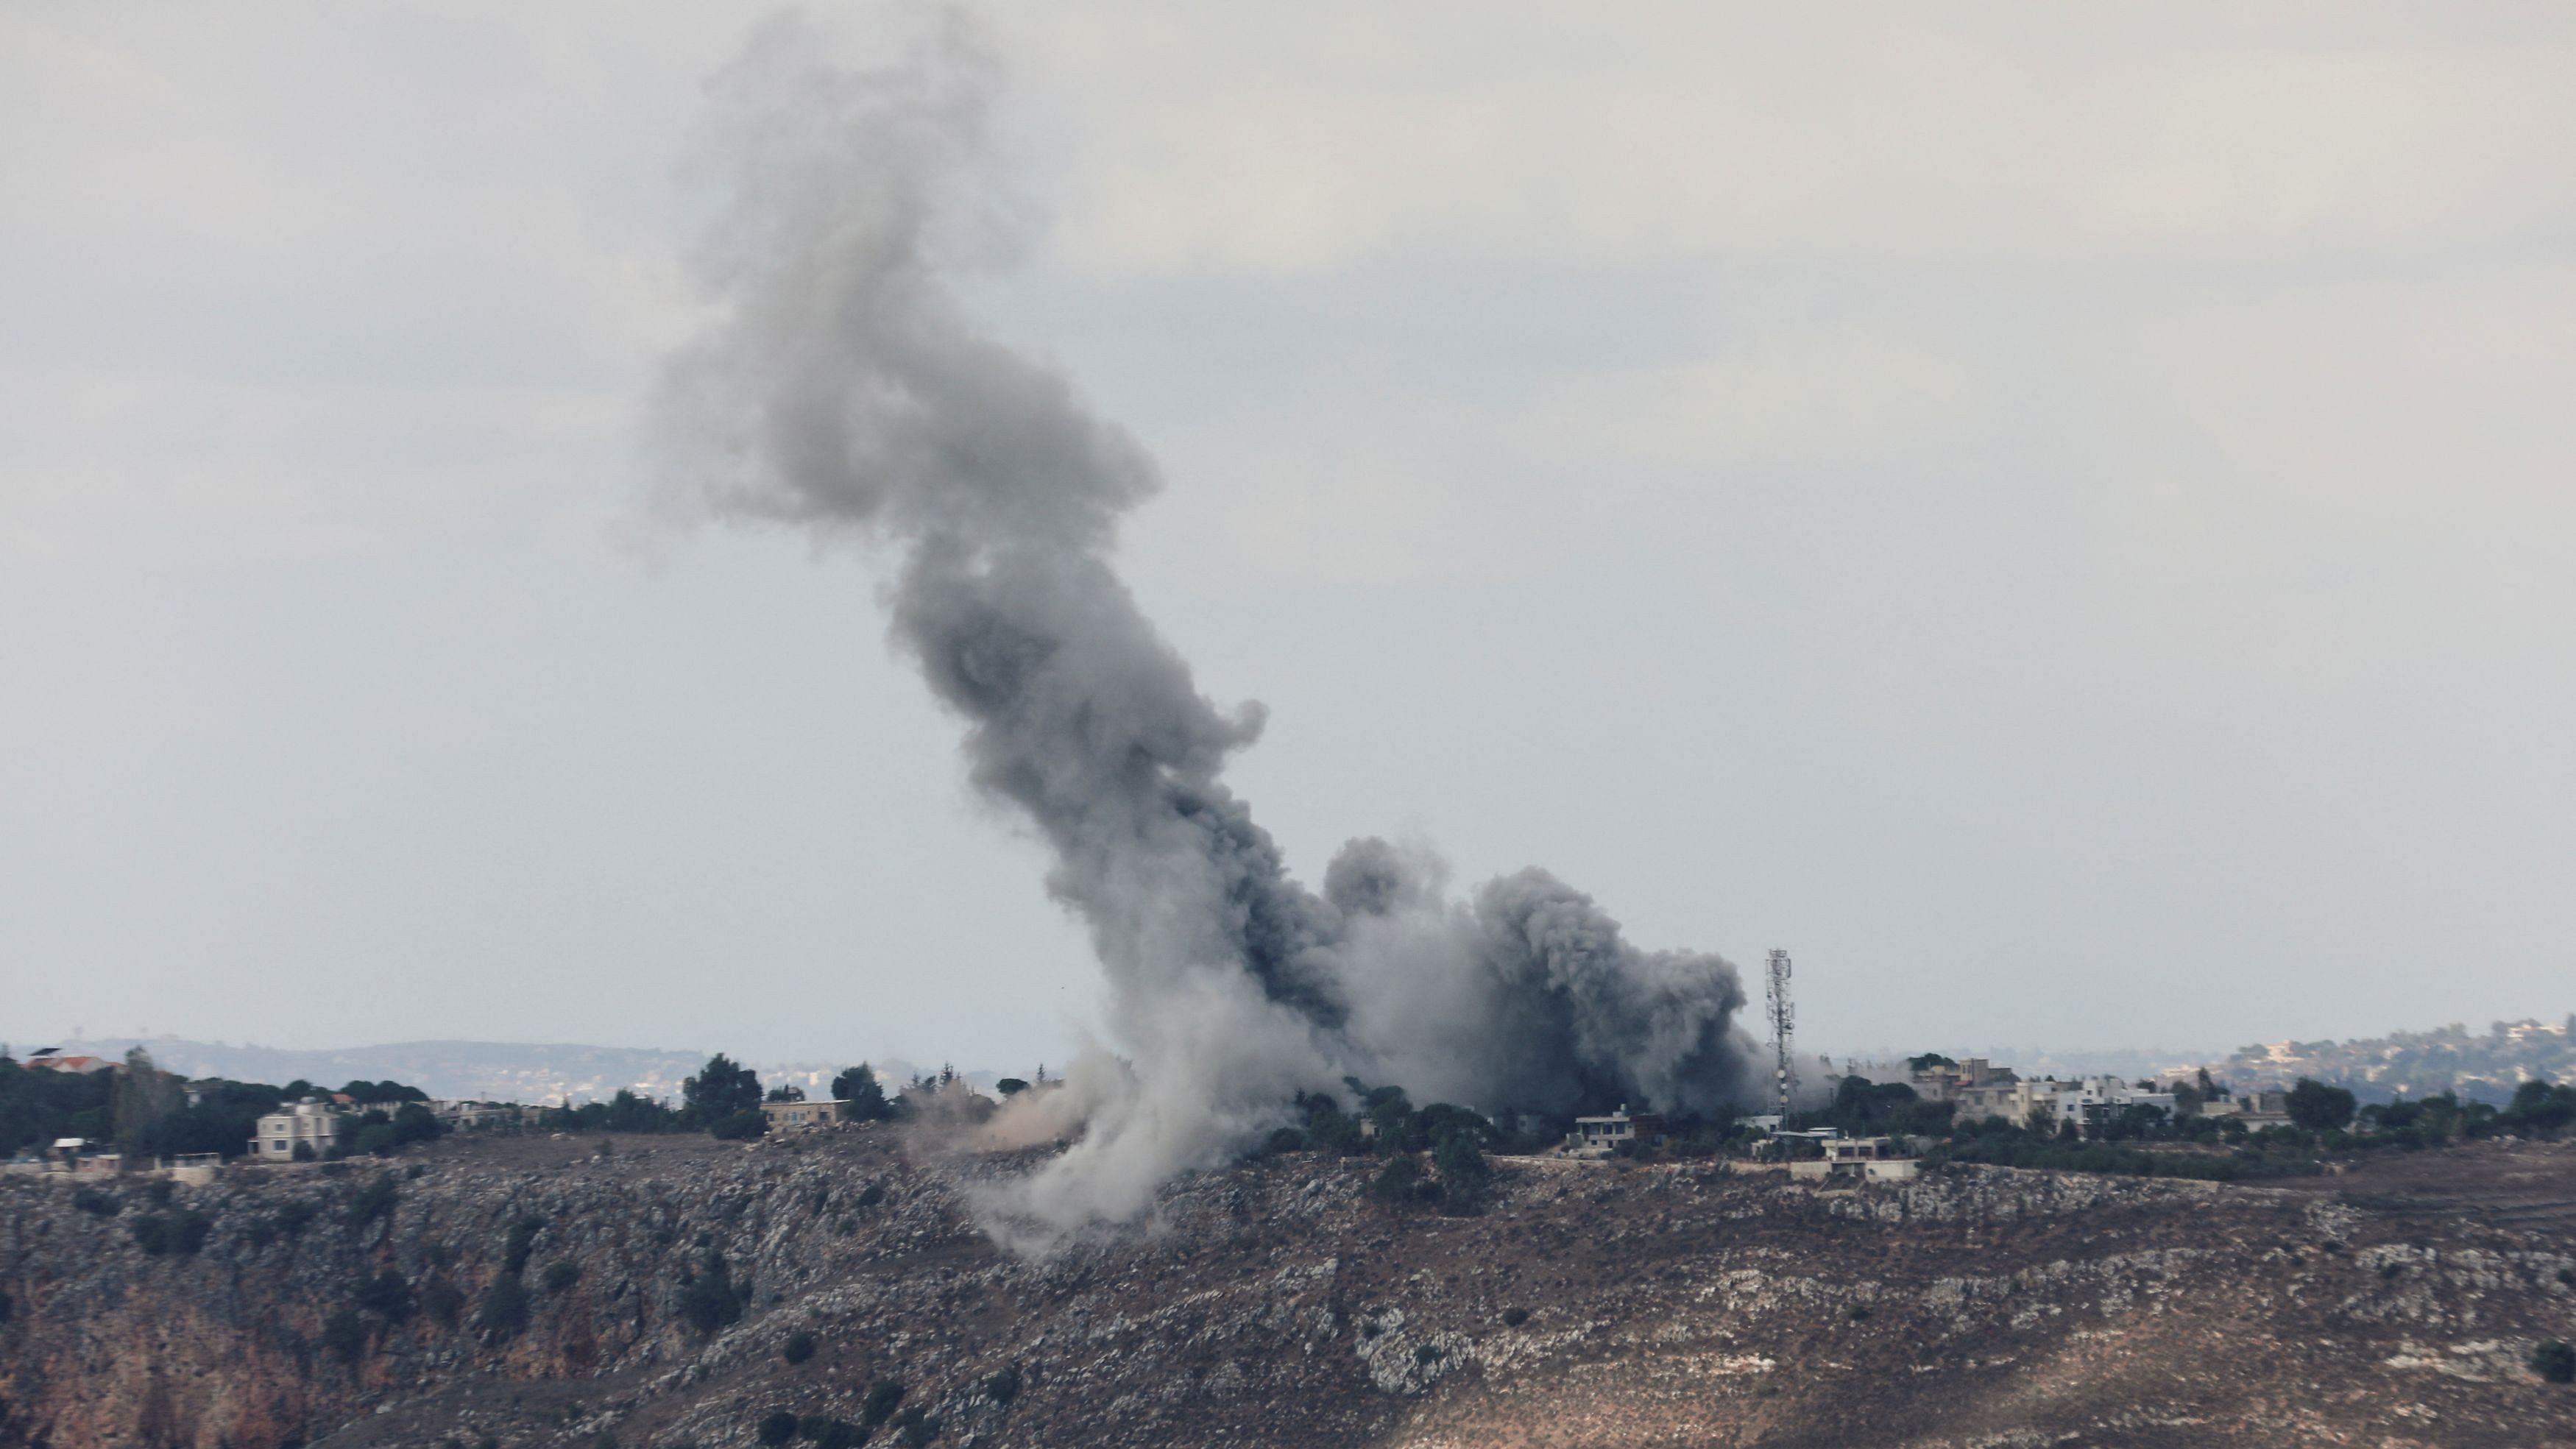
<point x="313" y="1123"/>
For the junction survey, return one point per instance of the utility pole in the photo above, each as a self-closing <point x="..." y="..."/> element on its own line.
<point x="1776" y="998"/>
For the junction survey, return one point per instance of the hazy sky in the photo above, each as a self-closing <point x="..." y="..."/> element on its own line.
<point x="2065" y="517"/>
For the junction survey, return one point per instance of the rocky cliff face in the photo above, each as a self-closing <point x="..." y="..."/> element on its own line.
<point x="667" y="1283"/>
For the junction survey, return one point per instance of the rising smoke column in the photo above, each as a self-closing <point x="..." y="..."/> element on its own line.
<point x="845" y="391"/>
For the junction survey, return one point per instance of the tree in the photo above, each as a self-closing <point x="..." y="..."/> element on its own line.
<point x="720" y="1090"/>
<point x="2540" y="1107"/>
<point x="146" y="1099"/>
<point x="861" y="1099"/>
<point x="2555" y="1361"/>
<point x="1395" y="1182"/>
<point x="1466" y="1178"/>
<point x="2318" y="1107"/>
<point x="785" y="1092"/>
<point x="1010" y="1086"/>
<point x="709" y="1300"/>
<point x="504" y="1309"/>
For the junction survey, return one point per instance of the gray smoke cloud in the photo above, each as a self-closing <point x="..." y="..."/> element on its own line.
<point x="844" y="390"/>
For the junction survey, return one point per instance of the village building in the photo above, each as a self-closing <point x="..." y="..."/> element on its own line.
<point x="1646" y="1129"/>
<point x="312" y="1123"/>
<point x="51" y="1059"/>
<point x="1858" y="1159"/>
<point x="799" y="1115"/>
<point x="464" y="1116"/>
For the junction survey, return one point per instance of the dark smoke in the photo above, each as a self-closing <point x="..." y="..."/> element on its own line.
<point x="845" y="391"/>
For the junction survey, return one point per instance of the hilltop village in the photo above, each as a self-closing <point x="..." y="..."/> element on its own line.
<point x="72" y="1116"/>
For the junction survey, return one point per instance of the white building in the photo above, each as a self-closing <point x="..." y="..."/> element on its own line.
<point x="313" y="1123"/>
<point x="1865" y="1159"/>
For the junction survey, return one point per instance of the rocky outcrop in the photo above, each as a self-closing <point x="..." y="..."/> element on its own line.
<point x="1272" y="1304"/>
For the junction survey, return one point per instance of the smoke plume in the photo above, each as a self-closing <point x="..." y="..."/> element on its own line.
<point x="844" y="390"/>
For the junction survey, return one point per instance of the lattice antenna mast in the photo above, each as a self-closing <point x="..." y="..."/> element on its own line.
<point x="1783" y="1021"/>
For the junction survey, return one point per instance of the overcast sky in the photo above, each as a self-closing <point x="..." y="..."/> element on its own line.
<point x="2064" y="517"/>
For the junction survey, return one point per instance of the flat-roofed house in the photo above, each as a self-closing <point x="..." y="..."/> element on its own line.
<point x="312" y="1123"/>
<point x="1865" y="1159"/>
<point x="800" y="1115"/>
<point x="1605" y="1133"/>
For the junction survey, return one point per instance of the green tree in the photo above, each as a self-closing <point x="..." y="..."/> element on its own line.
<point x="387" y="1296"/>
<point x="2318" y="1107"/>
<point x="504" y="1309"/>
<point x="785" y="1092"/>
<point x="720" y="1090"/>
<point x="1395" y="1182"/>
<point x="861" y="1098"/>
<point x="414" y="1122"/>
<point x="1466" y="1178"/>
<point x="2540" y="1107"/>
<point x="880" y="1404"/>
<point x="709" y="1300"/>
<point x="147" y="1101"/>
<point x="344" y="1335"/>
<point x="2555" y="1361"/>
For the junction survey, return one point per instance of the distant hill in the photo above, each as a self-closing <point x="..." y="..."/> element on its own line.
<point x="482" y="1070"/>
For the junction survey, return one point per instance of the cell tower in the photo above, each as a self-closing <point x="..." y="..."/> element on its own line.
<point x="1783" y="1018"/>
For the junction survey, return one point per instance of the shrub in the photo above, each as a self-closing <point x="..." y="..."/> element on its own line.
<point x="180" y="1232"/>
<point x="387" y="1296"/>
<point x="2555" y="1361"/>
<point x="1286" y="1139"/>
<point x="741" y="1126"/>
<point x="96" y="1203"/>
<point x="1002" y="1387"/>
<point x="158" y="1193"/>
<point x="917" y="1426"/>
<point x="880" y="1405"/>
<point x="345" y="1336"/>
<point x="561" y="1275"/>
<point x="296" y="1216"/>
<point x="1426" y="1354"/>
<point x="376" y="1139"/>
<point x="520" y="1241"/>
<point x="442" y="1302"/>
<point x="303" y="1152"/>
<point x="1515" y="1317"/>
<point x="798" y="1348"/>
<point x="504" y="1309"/>
<point x="777" y="1426"/>
<point x="709" y="1300"/>
<point x="7" y="1306"/>
<point x="375" y="1200"/>
<point x="838" y="1434"/>
<point x="1395" y="1182"/>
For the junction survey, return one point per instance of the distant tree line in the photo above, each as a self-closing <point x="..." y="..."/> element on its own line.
<point x="723" y="1099"/>
<point x="145" y="1112"/>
